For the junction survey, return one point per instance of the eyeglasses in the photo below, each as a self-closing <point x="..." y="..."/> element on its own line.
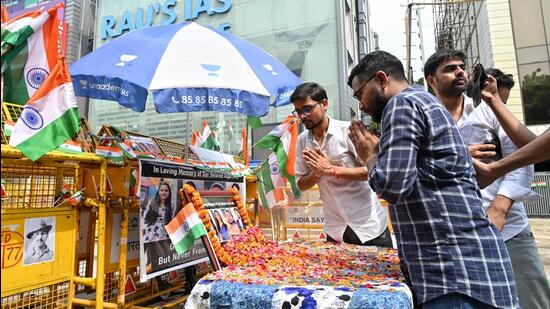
<point x="356" y="93"/>
<point x="306" y="110"/>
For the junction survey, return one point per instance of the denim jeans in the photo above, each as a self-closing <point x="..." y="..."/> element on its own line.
<point x="455" y="301"/>
<point x="531" y="282"/>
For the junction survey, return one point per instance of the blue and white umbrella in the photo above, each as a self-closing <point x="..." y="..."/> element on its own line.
<point x="188" y="68"/>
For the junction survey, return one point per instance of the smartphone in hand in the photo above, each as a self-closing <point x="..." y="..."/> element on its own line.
<point x="476" y="83"/>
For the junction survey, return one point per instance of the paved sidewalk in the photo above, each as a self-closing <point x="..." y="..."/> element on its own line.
<point x="541" y="230"/>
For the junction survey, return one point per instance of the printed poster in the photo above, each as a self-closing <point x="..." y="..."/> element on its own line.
<point x="160" y="183"/>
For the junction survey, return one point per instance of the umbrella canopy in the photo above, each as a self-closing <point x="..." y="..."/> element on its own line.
<point x="188" y="67"/>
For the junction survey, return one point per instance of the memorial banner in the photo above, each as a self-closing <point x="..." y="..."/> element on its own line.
<point x="160" y="201"/>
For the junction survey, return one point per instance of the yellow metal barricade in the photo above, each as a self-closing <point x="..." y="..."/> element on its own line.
<point x="38" y="230"/>
<point x="79" y="269"/>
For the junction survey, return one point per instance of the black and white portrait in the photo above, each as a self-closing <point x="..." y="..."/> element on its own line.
<point x="39" y="240"/>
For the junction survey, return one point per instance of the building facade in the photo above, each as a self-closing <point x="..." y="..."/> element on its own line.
<point x="511" y="35"/>
<point x="318" y="40"/>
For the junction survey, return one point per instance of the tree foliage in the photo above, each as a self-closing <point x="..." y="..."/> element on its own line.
<point x="536" y="98"/>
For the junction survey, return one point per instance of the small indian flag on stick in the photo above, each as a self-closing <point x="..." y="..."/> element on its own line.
<point x="112" y="153"/>
<point x="185" y="228"/>
<point x="71" y="147"/>
<point x="8" y="127"/>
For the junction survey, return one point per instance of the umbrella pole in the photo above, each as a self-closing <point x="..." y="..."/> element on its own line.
<point x="186" y="156"/>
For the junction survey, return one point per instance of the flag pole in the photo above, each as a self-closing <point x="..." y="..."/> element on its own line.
<point x="230" y="135"/>
<point x="186" y="155"/>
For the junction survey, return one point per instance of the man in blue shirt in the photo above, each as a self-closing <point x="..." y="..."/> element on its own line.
<point x="451" y="254"/>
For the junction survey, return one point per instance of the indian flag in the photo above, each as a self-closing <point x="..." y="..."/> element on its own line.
<point x="16" y="31"/>
<point x="185" y="228"/>
<point x="71" y="147"/>
<point x="112" y="153"/>
<point x="4" y="15"/>
<point x="196" y="139"/>
<point x="145" y="155"/>
<point x="282" y="140"/>
<point x="50" y="117"/>
<point x="127" y="149"/>
<point x="209" y="140"/>
<point x="30" y="45"/>
<point x="8" y="127"/>
<point x="230" y="131"/>
<point x="134" y="182"/>
<point x="272" y="184"/>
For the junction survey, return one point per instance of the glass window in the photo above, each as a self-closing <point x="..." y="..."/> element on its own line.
<point x="546" y="18"/>
<point x="532" y="54"/>
<point x="300" y="34"/>
<point x="527" y="23"/>
<point x="535" y="88"/>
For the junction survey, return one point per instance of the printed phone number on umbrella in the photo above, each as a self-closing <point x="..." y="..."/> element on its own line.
<point x="211" y="100"/>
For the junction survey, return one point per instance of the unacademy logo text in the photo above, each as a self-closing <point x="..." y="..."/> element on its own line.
<point x="109" y="87"/>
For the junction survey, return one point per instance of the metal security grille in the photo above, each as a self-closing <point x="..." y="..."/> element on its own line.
<point x="9" y="112"/>
<point x="30" y="185"/>
<point x="541" y="185"/>
<point x="51" y="296"/>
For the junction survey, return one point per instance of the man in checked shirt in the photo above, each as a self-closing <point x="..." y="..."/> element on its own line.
<point x="452" y="256"/>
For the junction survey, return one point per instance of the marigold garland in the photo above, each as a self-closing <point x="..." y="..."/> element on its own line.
<point x="198" y="203"/>
<point x="240" y="207"/>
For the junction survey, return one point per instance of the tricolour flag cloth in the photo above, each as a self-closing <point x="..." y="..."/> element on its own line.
<point x="196" y="139"/>
<point x="112" y="153"/>
<point x="50" y="117"/>
<point x="4" y="15"/>
<point x="185" y="228"/>
<point x="8" y="127"/>
<point x="271" y="183"/>
<point x="127" y="149"/>
<point x="282" y="140"/>
<point x="134" y="183"/>
<point x="30" y="43"/>
<point x="71" y="147"/>
<point x="209" y="140"/>
<point x="230" y="131"/>
<point x="76" y="198"/>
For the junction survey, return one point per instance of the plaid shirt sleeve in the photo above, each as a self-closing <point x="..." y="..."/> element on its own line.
<point x="395" y="172"/>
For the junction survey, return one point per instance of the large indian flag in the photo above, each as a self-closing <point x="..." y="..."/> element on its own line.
<point x="272" y="184"/>
<point x="29" y="53"/>
<point x="185" y="228"/>
<point x="50" y="117"/>
<point x="282" y="140"/>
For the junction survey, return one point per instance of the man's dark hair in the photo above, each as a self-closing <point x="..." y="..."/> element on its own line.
<point x="378" y="61"/>
<point x="503" y="80"/>
<point x="440" y="56"/>
<point x="312" y="90"/>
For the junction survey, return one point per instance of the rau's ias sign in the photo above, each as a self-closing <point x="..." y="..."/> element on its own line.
<point x="144" y="17"/>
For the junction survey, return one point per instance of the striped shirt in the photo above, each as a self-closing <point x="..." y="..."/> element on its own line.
<point x="425" y="172"/>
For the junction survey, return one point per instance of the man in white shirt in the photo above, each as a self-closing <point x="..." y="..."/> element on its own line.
<point x="326" y="156"/>
<point x="503" y="200"/>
